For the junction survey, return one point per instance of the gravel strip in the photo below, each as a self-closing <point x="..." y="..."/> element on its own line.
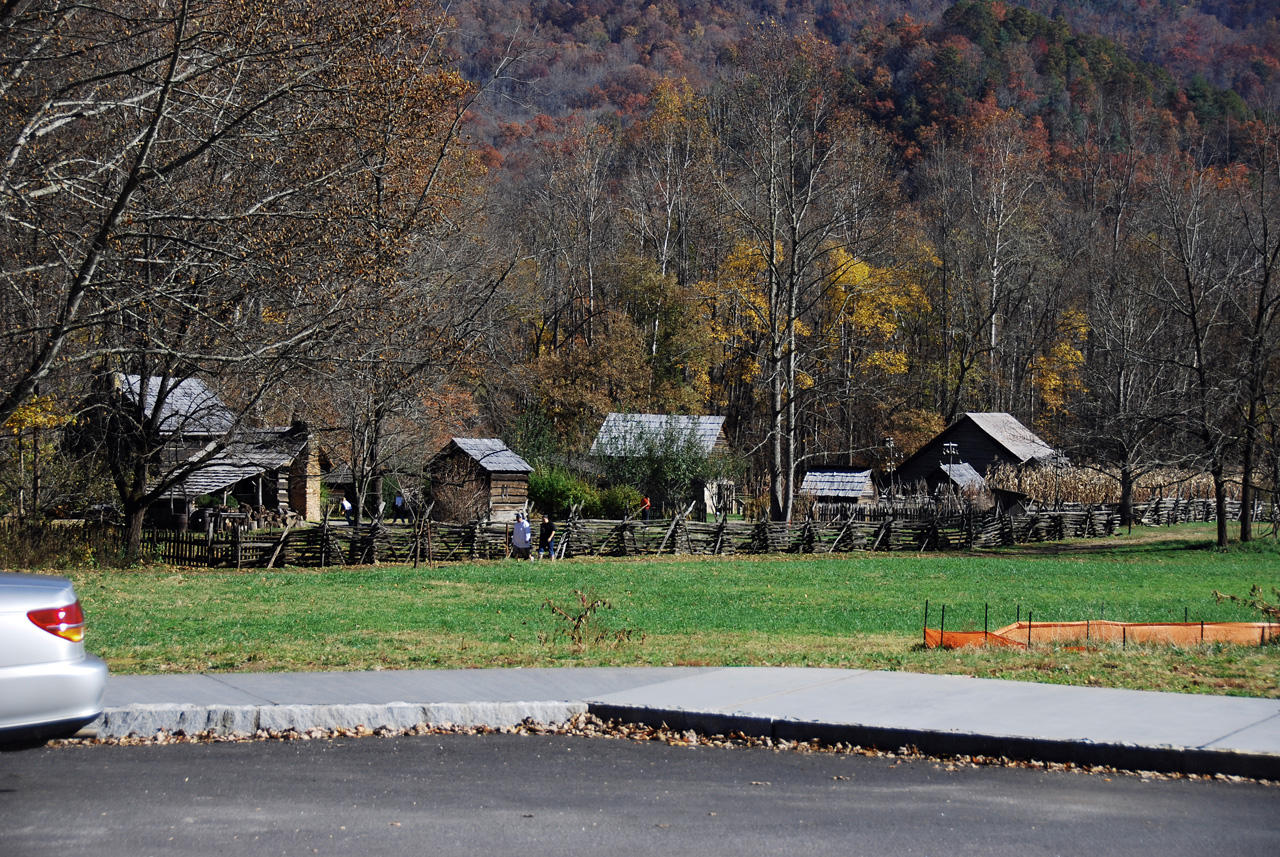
<point x="589" y="726"/>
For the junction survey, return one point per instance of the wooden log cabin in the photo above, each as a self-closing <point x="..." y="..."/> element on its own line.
<point x="474" y="478"/>
<point x="626" y="435"/>
<point x="273" y="469"/>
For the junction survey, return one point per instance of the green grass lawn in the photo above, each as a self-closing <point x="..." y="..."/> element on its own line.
<point x="847" y="610"/>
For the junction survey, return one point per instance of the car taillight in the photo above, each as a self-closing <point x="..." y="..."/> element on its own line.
<point x="65" y="622"/>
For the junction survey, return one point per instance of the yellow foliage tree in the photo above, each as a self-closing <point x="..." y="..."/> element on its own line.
<point x="868" y="307"/>
<point x="41" y="412"/>
<point x="22" y="461"/>
<point x="1057" y="373"/>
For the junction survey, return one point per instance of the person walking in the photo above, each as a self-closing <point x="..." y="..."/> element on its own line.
<point x="521" y="537"/>
<point x="546" y="538"/>
<point x="346" y="510"/>
<point x="399" y="509"/>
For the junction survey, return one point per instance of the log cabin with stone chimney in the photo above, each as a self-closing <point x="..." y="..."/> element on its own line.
<point x="271" y="472"/>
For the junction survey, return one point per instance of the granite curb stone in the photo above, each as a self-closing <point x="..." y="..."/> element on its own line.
<point x="146" y="720"/>
<point x="938" y="715"/>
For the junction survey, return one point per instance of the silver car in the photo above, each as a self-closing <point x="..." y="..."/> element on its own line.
<point x="49" y="687"/>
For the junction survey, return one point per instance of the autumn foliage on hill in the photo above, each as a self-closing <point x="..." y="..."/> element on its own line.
<point x="909" y="64"/>
<point x="836" y="239"/>
<point x="831" y="223"/>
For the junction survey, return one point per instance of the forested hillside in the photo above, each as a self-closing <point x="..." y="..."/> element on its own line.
<point x="831" y="223"/>
<point x="591" y="56"/>
<point x="836" y="226"/>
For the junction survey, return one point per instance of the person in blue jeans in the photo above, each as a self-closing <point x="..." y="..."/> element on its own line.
<point x="547" y="538"/>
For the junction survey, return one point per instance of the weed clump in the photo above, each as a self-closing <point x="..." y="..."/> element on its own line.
<point x="582" y="625"/>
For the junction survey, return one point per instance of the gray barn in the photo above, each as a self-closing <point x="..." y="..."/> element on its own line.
<point x="982" y="440"/>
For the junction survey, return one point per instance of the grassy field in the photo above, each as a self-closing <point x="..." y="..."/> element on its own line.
<point x="850" y="610"/>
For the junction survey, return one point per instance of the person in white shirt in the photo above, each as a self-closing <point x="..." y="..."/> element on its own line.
<point x="521" y="537"/>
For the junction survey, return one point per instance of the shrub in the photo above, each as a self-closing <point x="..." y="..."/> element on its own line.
<point x="581" y="625"/>
<point x="616" y="502"/>
<point x="1257" y="600"/>
<point x="553" y="490"/>
<point x="665" y="462"/>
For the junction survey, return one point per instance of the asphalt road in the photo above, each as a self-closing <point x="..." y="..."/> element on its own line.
<point x="527" y="795"/>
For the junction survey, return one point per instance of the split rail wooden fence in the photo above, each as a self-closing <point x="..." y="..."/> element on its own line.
<point x="329" y="545"/>
<point x="870" y="528"/>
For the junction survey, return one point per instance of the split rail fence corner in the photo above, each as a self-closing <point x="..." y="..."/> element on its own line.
<point x="857" y="528"/>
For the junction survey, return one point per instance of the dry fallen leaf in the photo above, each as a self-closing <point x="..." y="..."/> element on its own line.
<point x="587" y="725"/>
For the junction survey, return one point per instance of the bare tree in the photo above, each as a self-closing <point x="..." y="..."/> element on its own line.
<point x="998" y="291"/>
<point x="158" y="152"/>
<point x="177" y="182"/>
<point x="420" y="303"/>
<point x="807" y="187"/>
<point x="1257" y="302"/>
<point x="1120" y="413"/>
<point x="1198" y="263"/>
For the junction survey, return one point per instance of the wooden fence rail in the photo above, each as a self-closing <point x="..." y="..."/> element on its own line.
<point x="869" y="528"/>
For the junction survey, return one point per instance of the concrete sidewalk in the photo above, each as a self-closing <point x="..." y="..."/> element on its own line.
<point x="942" y="715"/>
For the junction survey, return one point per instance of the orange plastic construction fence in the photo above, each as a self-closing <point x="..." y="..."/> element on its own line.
<point x="1020" y="635"/>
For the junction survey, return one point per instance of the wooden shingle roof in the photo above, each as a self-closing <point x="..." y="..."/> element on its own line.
<point x="964" y="476"/>
<point x="189" y="408"/>
<point x="265" y="450"/>
<point x="492" y="454"/>
<point x="627" y="434"/>
<point x="1005" y="430"/>
<point x="836" y="483"/>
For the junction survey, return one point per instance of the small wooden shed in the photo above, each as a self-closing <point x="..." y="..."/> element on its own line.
<point x="835" y="493"/>
<point x="476" y="477"/>
<point x="832" y="490"/>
